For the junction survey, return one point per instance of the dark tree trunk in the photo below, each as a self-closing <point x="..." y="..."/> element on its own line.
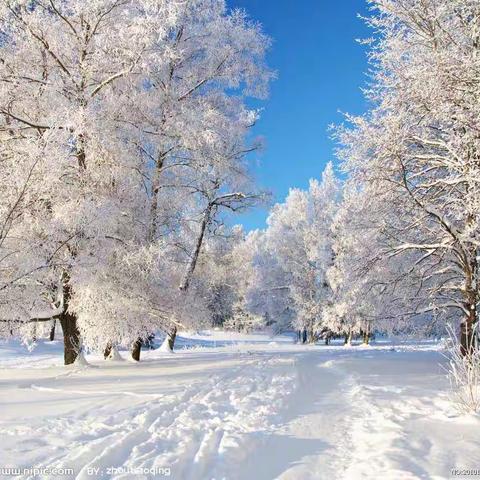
<point x="196" y="252"/>
<point x="68" y="320"/>
<point x="107" y="351"/>
<point x="366" y="335"/>
<point x="71" y="337"/>
<point x="327" y="339"/>
<point x="136" y="349"/>
<point x="52" y="331"/>
<point x="304" y="336"/>
<point x="171" y="336"/>
<point x="468" y="332"/>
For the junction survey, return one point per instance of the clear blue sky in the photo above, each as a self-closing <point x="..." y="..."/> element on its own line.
<point x="321" y="69"/>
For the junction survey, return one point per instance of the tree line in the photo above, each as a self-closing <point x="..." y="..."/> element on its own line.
<point x="125" y="137"/>
<point x="394" y="245"/>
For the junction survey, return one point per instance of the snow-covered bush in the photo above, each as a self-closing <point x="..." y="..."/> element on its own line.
<point x="244" y="321"/>
<point x="463" y="373"/>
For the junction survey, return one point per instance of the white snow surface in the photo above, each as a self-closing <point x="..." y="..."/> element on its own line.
<point x="231" y="406"/>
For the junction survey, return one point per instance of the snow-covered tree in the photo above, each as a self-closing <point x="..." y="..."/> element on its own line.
<point x="222" y="269"/>
<point x="359" y="275"/>
<point x="61" y="65"/>
<point x="260" y="281"/>
<point x="417" y="153"/>
<point x="294" y="254"/>
<point x="116" y="115"/>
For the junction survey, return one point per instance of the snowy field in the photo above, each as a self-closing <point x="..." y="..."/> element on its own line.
<point x="227" y="406"/>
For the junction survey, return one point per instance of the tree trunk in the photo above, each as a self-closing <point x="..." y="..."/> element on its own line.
<point x="136" y="349"/>
<point x="171" y="336"/>
<point x="154" y="200"/>
<point x="71" y="337"/>
<point x="52" y="331"/>
<point x="196" y="252"/>
<point x="468" y="342"/>
<point x="107" y="351"/>
<point x="68" y="321"/>
<point x="304" y="336"/>
<point x="366" y="335"/>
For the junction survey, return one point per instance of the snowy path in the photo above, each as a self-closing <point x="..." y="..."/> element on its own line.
<point x="370" y="414"/>
<point x="312" y="435"/>
<point x="257" y="411"/>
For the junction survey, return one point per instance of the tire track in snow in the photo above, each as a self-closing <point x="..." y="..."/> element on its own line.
<point x="161" y="416"/>
<point x="228" y="447"/>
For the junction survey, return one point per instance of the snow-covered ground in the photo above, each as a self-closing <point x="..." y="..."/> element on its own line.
<point x="235" y="407"/>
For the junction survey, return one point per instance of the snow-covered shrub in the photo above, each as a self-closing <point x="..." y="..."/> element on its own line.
<point x="464" y="374"/>
<point x="244" y="321"/>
